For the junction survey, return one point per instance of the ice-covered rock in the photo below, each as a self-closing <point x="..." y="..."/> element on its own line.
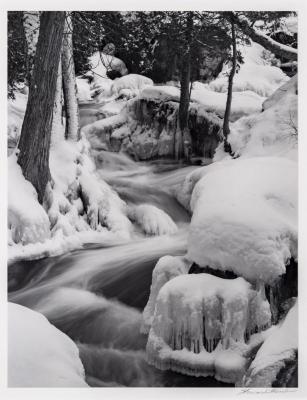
<point x="167" y="268"/>
<point x="40" y="355"/>
<point x="152" y="219"/>
<point x="245" y="217"/>
<point x="276" y="352"/>
<point x="202" y="325"/>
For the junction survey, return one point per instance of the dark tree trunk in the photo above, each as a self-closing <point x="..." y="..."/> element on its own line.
<point x="35" y="136"/>
<point x="226" y="129"/>
<point x="72" y="127"/>
<point x="276" y="48"/>
<point x="185" y="79"/>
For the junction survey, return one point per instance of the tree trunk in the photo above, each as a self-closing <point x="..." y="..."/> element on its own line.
<point x="279" y="49"/>
<point x="226" y="129"/>
<point x="30" y="22"/>
<point x="185" y="78"/>
<point x="72" y="128"/>
<point x="35" y="136"/>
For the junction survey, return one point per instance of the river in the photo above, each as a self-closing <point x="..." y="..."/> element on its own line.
<point x="96" y="295"/>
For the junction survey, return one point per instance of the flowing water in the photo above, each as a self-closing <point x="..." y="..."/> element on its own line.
<point x="96" y="295"/>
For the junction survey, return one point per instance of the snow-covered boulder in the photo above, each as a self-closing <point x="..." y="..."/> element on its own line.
<point x="131" y="82"/>
<point x="256" y="73"/>
<point x="245" y="217"/>
<point x="167" y="268"/>
<point x="202" y="325"/>
<point x="278" y="349"/>
<point x="40" y="355"/>
<point x="152" y="219"/>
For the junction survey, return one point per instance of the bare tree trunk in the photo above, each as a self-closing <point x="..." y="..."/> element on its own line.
<point x="280" y="50"/>
<point x="30" y="22"/>
<point x="226" y="129"/>
<point x="57" y="127"/>
<point x="35" y="136"/>
<point x="185" y="78"/>
<point x="72" y="129"/>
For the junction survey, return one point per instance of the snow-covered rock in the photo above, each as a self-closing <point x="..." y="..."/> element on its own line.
<point x="245" y="217"/>
<point x="256" y="73"/>
<point x="131" y="82"/>
<point x="279" y="348"/>
<point x="40" y="355"/>
<point x="202" y="324"/>
<point x="152" y="219"/>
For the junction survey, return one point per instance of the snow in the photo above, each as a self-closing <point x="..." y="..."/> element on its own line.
<point x="83" y="90"/>
<point x="167" y="268"/>
<point x="279" y="347"/>
<point x="201" y="324"/>
<point x="204" y="98"/>
<point x="15" y="113"/>
<point x="130" y="82"/>
<point x="270" y="133"/>
<point x="40" y="355"/>
<point x="256" y="73"/>
<point x="27" y="220"/>
<point x="152" y="219"/>
<point x="100" y="63"/>
<point x="245" y="217"/>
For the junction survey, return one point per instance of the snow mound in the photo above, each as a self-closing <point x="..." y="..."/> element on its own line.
<point x="40" y="355"/>
<point x="201" y="324"/>
<point x="280" y="346"/>
<point x="152" y="219"/>
<point x="256" y="74"/>
<point x="167" y="268"/>
<point x="27" y="220"/>
<point x="245" y="217"/>
<point x="131" y="82"/>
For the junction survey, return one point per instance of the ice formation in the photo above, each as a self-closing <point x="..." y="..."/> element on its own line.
<point x="245" y="217"/>
<point x="202" y="325"/>
<point x="152" y="219"/>
<point x="40" y="355"/>
<point x="167" y="268"/>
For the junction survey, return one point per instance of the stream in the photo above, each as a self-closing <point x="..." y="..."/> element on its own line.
<point x="96" y="295"/>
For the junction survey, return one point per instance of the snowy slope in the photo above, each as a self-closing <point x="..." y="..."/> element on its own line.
<point x="40" y="355"/>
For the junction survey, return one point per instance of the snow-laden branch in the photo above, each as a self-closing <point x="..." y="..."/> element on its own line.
<point x="279" y="49"/>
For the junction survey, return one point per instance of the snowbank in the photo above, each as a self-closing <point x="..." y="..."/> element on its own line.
<point x="131" y="82"/>
<point x="272" y="132"/>
<point x="40" y="355"/>
<point x="27" y="220"/>
<point x="201" y="324"/>
<point x="280" y="347"/>
<point x="167" y="268"/>
<point x="256" y="73"/>
<point x="245" y="217"/>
